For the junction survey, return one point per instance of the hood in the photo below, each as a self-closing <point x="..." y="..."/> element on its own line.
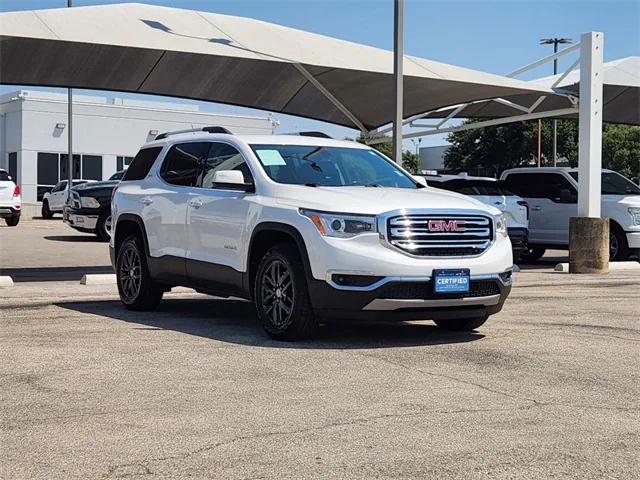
<point x="376" y="200"/>
<point x="95" y="185"/>
<point x="624" y="200"/>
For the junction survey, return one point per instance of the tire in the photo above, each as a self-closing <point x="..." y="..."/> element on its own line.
<point x="461" y="325"/>
<point x="103" y="226"/>
<point x="12" y="221"/>
<point x="619" y="250"/>
<point x="281" y="295"/>
<point x="516" y="256"/>
<point x="137" y="289"/>
<point x="46" y="212"/>
<point x="533" y="254"/>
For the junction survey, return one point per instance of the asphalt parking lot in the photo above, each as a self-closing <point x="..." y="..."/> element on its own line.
<point x="548" y="388"/>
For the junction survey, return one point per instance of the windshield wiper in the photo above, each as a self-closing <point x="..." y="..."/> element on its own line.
<point x="372" y="185"/>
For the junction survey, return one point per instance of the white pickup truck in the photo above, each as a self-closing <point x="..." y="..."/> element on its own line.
<point x="552" y="194"/>
<point x="55" y="200"/>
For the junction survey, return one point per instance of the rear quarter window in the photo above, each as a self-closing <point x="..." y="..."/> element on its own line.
<point x="4" y="176"/>
<point x="142" y="163"/>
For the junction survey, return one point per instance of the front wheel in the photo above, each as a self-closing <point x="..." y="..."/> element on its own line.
<point x="46" y="211"/>
<point x="103" y="227"/>
<point x="281" y="295"/>
<point x="12" y="221"/>
<point x="533" y="254"/>
<point x="618" y="247"/>
<point x="462" y="325"/>
<point x="137" y="289"/>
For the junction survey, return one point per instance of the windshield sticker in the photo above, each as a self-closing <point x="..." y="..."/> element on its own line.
<point x="271" y="158"/>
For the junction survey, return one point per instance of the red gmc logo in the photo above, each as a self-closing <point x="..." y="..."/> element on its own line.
<point x="445" y="226"/>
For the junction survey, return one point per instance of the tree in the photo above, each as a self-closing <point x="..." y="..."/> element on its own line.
<point x="494" y="149"/>
<point x="410" y="161"/>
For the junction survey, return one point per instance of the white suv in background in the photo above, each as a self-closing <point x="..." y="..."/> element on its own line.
<point x="492" y="192"/>
<point x="55" y="200"/>
<point x="310" y="229"/>
<point x="552" y="194"/>
<point x="10" y="200"/>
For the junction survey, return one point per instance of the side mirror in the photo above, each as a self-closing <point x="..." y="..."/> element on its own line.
<point x="421" y="180"/>
<point x="567" y="196"/>
<point x="232" y="180"/>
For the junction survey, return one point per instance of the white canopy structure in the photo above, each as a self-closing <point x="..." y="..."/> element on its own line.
<point x="240" y="61"/>
<point x="621" y="96"/>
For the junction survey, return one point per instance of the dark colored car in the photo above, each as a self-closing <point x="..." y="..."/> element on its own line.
<point x="90" y="208"/>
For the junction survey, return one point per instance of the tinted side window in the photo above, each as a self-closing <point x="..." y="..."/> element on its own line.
<point x="142" y="163"/>
<point x="4" y="176"/>
<point x="180" y="166"/>
<point x="222" y="156"/>
<point x="539" y="185"/>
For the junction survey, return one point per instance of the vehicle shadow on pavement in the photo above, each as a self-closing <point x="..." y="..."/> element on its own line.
<point x="74" y="238"/>
<point x="234" y="321"/>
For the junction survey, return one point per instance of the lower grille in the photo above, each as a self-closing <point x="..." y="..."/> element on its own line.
<point x="424" y="290"/>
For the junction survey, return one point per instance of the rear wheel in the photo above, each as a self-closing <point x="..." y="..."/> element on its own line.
<point x="46" y="212"/>
<point x="103" y="227"/>
<point x="281" y="295"/>
<point x="12" y="221"/>
<point x="533" y="254"/>
<point x="461" y="325"/>
<point x="137" y="289"/>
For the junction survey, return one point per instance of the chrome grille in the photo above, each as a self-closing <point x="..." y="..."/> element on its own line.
<point x="440" y="235"/>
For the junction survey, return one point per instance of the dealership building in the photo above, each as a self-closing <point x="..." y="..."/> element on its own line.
<point x="107" y="133"/>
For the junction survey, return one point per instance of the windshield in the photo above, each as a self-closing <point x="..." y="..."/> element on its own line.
<point x="614" y="184"/>
<point x="330" y="166"/>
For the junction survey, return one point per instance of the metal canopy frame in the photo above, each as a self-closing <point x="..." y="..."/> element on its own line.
<point x="528" y="112"/>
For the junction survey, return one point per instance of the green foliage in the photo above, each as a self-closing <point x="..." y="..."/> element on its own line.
<point x="494" y="149"/>
<point x="409" y="160"/>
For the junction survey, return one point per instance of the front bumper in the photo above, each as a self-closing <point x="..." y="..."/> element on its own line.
<point x="519" y="238"/>
<point x="7" y="211"/>
<point x="407" y="298"/>
<point x="633" y="239"/>
<point x="82" y="219"/>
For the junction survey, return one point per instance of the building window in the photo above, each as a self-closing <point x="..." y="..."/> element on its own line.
<point x="91" y="167"/>
<point x="13" y="166"/>
<point x="122" y="161"/>
<point x="53" y="167"/>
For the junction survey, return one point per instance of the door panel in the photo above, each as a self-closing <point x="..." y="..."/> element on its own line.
<point x="552" y="201"/>
<point x="217" y="219"/>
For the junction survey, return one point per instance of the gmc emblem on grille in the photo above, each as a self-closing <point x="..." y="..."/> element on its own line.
<point x="446" y="226"/>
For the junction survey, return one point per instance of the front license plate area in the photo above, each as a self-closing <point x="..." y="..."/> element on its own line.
<point x="451" y="281"/>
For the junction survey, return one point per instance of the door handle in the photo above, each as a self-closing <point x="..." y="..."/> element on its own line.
<point x="197" y="203"/>
<point x="536" y="208"/>
<point x="147" y="200"/>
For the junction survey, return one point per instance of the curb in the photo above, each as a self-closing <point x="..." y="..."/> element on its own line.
<point x="99" y="279"/>
<point x="613" y="266"/>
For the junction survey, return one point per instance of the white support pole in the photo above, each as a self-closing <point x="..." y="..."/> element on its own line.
<point x="590" y="129"/>
<point x="398" y="57"/>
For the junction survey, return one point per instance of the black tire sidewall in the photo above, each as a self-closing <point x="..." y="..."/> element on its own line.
<point x="46" y="211"/>
<point x="623" y="248"/>
<point x="300" y="323"/>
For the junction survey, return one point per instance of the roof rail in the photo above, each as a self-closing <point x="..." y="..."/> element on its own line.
<point x="310" y="134"/>
<point x="212" y="129"/>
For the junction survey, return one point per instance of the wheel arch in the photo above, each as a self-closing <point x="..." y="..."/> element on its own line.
<point x="129" y="224"/>
<point x="264" y="236"/>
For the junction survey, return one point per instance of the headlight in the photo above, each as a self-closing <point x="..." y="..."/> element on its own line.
<point x="501" y="225"/>
<point x="89" y="202"/>
<point x="341" y="225"/>
<point x="635" y="214"/>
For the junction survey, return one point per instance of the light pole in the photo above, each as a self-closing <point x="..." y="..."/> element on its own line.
<point x="555" y="42"/>
<point x="70" y="135"/>
<point x="416" y="144"/>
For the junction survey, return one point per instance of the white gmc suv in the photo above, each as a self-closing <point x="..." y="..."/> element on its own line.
<point x="311" y="229"/>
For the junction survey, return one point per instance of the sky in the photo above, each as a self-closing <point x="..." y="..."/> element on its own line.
<point x="495" y="36"/>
